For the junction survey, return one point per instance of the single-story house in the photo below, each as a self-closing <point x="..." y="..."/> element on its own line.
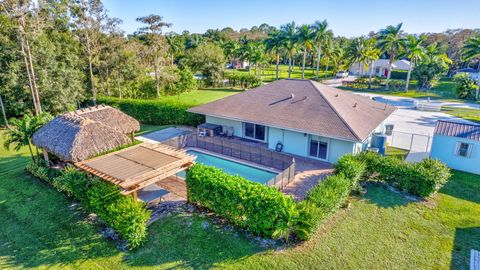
<point x="81" y="134"/>
<point x="300" y="117"/>
<point x="380" y="67"/>
<point x="473" y="73"/>
<point x="457" y="145"/>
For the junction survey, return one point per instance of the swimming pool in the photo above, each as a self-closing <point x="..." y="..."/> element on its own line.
<point x="249" y="172"/>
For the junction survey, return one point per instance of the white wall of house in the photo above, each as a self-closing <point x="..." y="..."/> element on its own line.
<point x="445" y="148"/>
<point x="296" y="143"/>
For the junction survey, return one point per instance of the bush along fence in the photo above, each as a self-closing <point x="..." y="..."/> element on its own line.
<point x="421" y="179"/>
<point x="127" y="217"/>
<point x="156" y="112"/>
<point x="257" y="208"/>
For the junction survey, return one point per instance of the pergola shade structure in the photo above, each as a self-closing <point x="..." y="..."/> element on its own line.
<point x="139" y="166"/>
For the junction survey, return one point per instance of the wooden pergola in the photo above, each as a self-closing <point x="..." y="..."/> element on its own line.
<point x="139" y="166"/>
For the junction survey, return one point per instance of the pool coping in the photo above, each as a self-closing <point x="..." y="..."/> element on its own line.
<point x="243" y="162"/>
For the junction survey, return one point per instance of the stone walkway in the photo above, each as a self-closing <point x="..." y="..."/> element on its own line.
<point x="308" y="173"/>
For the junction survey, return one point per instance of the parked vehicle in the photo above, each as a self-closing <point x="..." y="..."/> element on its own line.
<point x="342" y="74"/>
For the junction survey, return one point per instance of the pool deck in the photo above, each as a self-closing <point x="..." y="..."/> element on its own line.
<point x="308" y="173"/>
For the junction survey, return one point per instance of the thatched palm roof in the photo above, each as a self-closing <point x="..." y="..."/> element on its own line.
<point x="111" y="117"/>
<point x="79" y="135"/>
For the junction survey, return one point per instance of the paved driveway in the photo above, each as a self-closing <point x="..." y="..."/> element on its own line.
<point x="408" y="120"/>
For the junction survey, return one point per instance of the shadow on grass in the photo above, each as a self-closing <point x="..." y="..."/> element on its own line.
<point x="38" y="225"/>
<point x="463" y="186"/>
<point x="191" y="242"/>
<point x="379" y="194"/>
<point x="465" y="240"/>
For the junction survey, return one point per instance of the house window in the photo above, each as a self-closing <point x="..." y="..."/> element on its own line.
<point x="255" y="131"/>
<point x="464" y="149"/>
<point x="318" y="148"/>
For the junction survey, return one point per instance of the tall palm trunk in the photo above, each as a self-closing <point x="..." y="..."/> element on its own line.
<point x="389" y="74"/>
<point x="372" y="63"/>
<point x="155" y="66"/>
<point x="303" y="63"/>
<point x="408" y="76"/>
<point x="319" y="51"/>
<point x="276" y="68"/>
<point x="3" y="112"/>
<point x="289" y="66"/>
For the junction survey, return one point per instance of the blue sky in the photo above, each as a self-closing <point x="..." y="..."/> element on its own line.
<point x="346" y="17"/>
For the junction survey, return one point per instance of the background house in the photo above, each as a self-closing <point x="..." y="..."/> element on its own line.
<point x="303" y="118"/>
<point x="473" y="73"/>
<point x="457" y="145"/>
<point x="380" y="67"/>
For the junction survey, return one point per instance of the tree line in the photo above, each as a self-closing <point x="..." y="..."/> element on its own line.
<point x="57" y="55"/>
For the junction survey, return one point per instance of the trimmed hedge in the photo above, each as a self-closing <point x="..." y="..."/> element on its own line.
<point x="127" y="217"/>
<point x="322" y="201"/>
<point x="258" y="208"/>
<point x="156" y="112"/>
<point x="422" y="178"/>
<point x="399" y="74"/>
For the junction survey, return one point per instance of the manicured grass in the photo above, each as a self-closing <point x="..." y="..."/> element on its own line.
<point x="382" y="230"/>
<point x="202" y="96"/>
<point x="465" y="113"/>
<point x="444" y="90"/>
<point x="396" y="152"/>
<point x="269" y="73"/>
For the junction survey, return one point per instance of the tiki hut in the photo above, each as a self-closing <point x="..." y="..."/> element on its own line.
<point x="82" y="134"/>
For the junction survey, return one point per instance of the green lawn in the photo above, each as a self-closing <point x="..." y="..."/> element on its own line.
<point x="204" y="95"/>
<point x="465" y="113"/>
<point x="396" y="152"/>
<point x="269" y="73"/>
<point x="444" y="90"/>
<point x="40" y="228"/>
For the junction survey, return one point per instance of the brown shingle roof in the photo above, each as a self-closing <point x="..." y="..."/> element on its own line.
<point x="457" y="129"/>
<point x="304" y="106"/>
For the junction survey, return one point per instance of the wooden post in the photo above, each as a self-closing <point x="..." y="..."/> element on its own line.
<point x="132" y="137"/>
<point x="45" y="155"/>
<point x="134" y="195"/>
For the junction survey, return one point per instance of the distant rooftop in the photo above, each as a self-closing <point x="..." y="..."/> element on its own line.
<point x="458" y="129"/>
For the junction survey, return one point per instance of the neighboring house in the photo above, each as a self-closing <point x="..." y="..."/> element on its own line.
<point x="457" y="145"/>
<point x="380" y="67"/>
<point x="302" y="117"/>
<point x="473" y="73"/>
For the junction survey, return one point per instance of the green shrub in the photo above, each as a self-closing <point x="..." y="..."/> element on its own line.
<point x="399" y="74"/>
<point x="309" y="219"/>
<point x="127" y="217"/>
<point x="351" y="167"/>
<point x="331" y="193"/>
<point x="156" y="112"/>
<point x="258" y="208"/>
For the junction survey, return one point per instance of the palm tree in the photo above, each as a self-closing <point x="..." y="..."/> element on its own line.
<point x="372" y="54"/>
<point x="174" y="46"/>
<point x="390" y="41"/>
<point x="322" y="35"/>
<point x="471" y="50"/>
<point x="305" y="37"/>
<point x="356" y="53"/>
<point x="288" y="33"/>
<point x="414" y="51"/>
<point x="274" y="43"/>
<point x="22" y="130"/>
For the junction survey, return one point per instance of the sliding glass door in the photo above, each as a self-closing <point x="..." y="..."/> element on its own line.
<point x="254" y="131"/>
<point x="318" y="147"/>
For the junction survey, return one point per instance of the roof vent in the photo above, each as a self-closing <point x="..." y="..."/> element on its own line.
<point x="292" y="96"/>
<point x="355" y="105"/>
<point x="336" y="95"/>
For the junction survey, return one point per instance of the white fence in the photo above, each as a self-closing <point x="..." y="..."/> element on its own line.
<point x="410" y="141"/>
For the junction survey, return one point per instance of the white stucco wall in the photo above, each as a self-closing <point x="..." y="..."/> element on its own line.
<point x="443" y="148"/>
<point x="338" y="148"/>
<point x="237" y="126"/>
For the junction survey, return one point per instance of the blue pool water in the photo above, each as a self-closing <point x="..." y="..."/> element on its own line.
<point x="250" y="173"/>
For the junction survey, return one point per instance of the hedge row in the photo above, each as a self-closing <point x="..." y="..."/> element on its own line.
<point x="422" y="178"/>
<point x="258" y="208"/>
<point x="156" y="112"/>
<point x="127" y="217"/>
<point x="322" y="201"/>
<point x="399" y="74"/>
